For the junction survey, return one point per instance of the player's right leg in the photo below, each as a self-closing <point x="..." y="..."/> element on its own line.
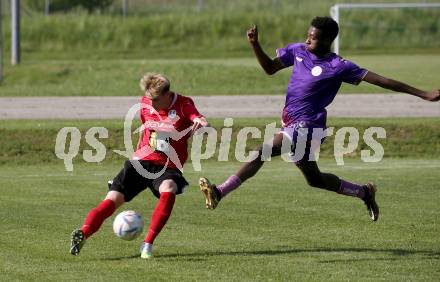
<point x="167" y="185"/>
<point x="370" y="201"/>
<point x="94" y="220"/>
<point x="213" y="194"/>
<point x="331" y="182"/>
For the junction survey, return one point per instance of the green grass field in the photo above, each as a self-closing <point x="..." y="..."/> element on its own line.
<point x="273" y="228"/>
<point x="84" y="76"/>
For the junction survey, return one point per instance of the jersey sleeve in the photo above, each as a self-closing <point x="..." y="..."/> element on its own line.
<point x="287" y="54"/>
<point x="189" y="110"/>
<point x="142" y="110"/>
<point x="352" y="73"/>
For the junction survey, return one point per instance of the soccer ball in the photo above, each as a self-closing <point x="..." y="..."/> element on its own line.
<point x="128" y="225"/>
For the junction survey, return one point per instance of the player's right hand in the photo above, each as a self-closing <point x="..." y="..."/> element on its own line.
<point x="198" y="123"/>
<point x="252" y="34"/>
<point x="433" y="96"/>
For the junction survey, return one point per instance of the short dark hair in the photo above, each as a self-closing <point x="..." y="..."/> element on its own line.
<point x="327" y="25"/>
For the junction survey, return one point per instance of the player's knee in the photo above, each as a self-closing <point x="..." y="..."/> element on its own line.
<point x="117" y="197"/>
<point x="168" y="186"/>
<point x="257" y="154"/>
<point x="266" y="151"/>
<point x="315" y="182"/>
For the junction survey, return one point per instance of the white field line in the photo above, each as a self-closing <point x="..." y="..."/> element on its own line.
<point x="436" y="164"/>
<point x="208" y="168"/>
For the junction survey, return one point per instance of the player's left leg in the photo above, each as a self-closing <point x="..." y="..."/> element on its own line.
<point x="94" y="220"/>
<point x="106" y="208"/>
<point x="331" y="182"/>
<point x="318" y="179"/>
<point x="213" y="194"/>
<point x="168" y="189"/>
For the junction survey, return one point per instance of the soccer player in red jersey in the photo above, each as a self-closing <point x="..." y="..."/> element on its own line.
<point x="168" y="120"/>
<point x="315" y="80"/>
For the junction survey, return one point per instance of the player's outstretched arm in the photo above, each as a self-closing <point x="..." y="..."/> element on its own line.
<point x="398" y="86"/>
<point x="270" y="66"/>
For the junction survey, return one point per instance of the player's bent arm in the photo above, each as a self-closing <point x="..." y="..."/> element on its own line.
<point x="398" y="86"/>
<point x="270" y="66"/>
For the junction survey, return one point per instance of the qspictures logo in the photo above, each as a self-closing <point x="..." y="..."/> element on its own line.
<point x="207" y="142"/>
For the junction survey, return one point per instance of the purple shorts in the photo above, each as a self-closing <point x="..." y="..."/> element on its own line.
<point x="305" y="140"/>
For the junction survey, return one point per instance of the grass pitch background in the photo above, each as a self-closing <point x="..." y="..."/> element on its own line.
<point x="274" y="227"/>
<point x="119" y="76"/>
<point x="206" y="52"/>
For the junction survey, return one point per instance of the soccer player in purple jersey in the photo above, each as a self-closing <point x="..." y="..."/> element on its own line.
<point x="316" y="78"/>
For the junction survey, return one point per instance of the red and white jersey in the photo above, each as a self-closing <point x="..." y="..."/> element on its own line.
<point x="166" y="132"/>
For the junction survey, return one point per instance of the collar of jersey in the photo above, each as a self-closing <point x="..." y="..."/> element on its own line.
<point x="174" y="100"/>
<point x="316" y="58"/>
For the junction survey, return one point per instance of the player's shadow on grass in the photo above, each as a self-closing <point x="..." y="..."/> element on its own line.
<point x="396" y="253"/>
<point x="136" y="256"/>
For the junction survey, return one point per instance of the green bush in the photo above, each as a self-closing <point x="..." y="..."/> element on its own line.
<point x="220" y="26"/>
<point x="35" y="140"/>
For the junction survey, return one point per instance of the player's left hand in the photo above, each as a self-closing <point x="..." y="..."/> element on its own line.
<point x="198" y="123"/>
<point x="282" y="123"/>
<point x="432" y="96"/>
<point x="252" y="34"/>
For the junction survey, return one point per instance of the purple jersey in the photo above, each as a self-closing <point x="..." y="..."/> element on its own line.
<point x="314" y="82"/>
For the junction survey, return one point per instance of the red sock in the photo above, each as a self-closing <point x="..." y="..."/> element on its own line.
<point x="96" y="217"/>
<point x="160" y="215"/>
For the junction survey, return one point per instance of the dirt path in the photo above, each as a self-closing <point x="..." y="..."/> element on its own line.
<point x="359" y="105"/>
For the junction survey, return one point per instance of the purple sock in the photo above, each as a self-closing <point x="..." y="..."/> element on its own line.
<point x="229" y="185"/>
<point x="351" y="189"/>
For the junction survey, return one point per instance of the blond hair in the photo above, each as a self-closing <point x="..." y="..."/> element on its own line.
<point x="154" y="84"/>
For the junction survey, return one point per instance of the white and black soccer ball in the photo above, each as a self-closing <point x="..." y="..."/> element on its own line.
<point x="128" y="225"/>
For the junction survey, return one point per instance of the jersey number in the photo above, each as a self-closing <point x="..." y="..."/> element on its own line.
<point x="160" y="141"/>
